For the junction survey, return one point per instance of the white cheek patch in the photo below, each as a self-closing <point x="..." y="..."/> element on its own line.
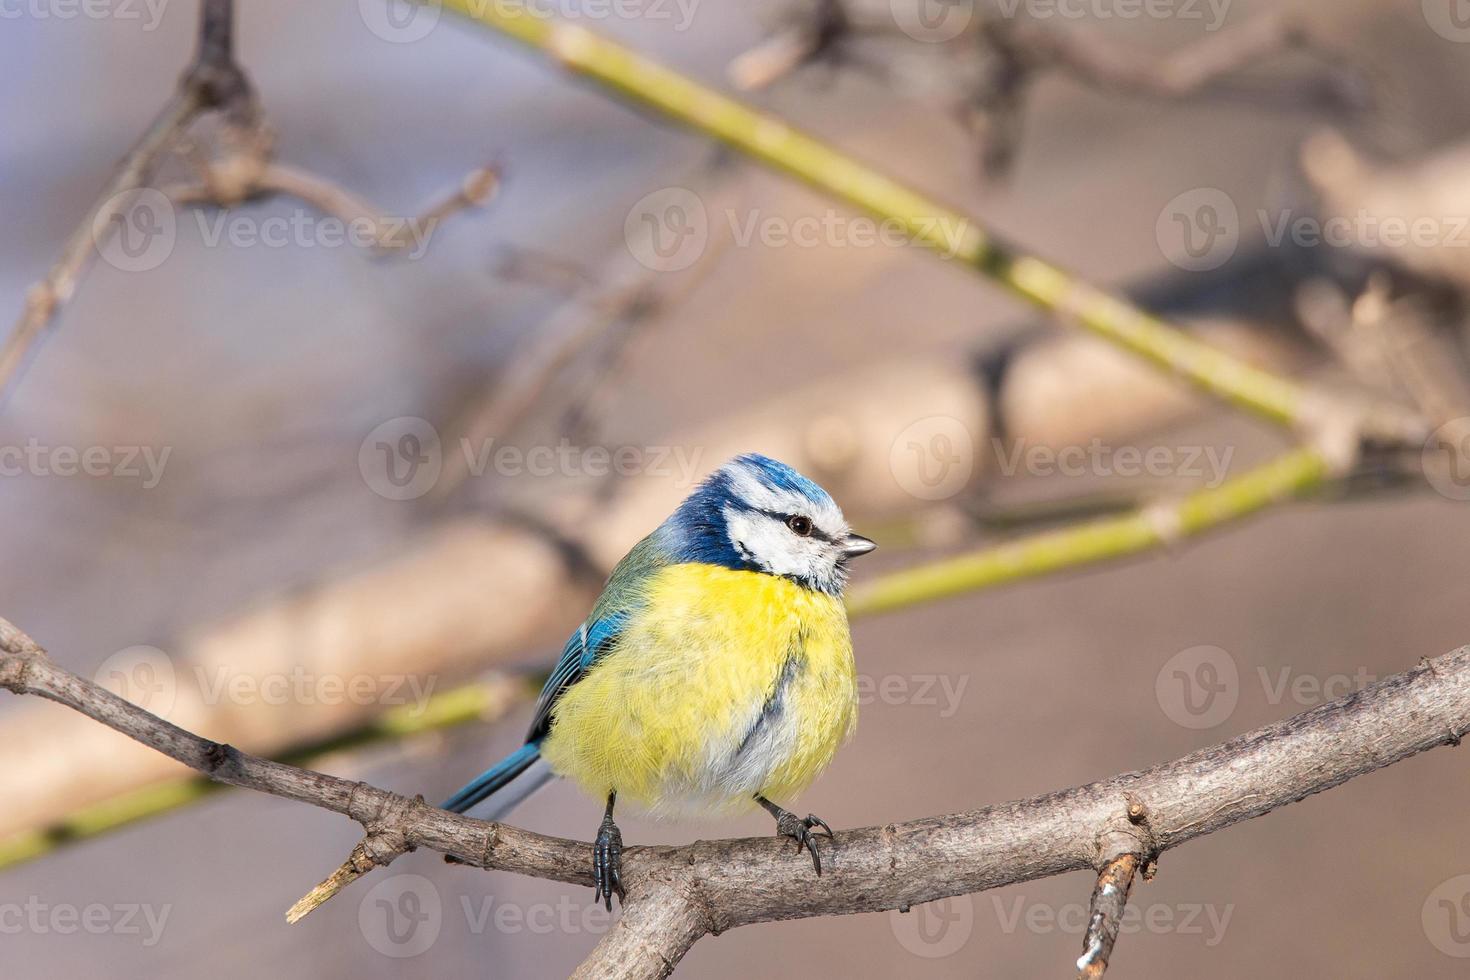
<point x="770" y="544"/>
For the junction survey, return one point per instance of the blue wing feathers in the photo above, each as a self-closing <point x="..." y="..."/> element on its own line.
<point x="494" y="778"/>
<point x="580" y="653"/>
<point x="592" y="640"/>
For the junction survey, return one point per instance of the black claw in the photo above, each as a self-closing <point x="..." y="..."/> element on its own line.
<point x="790" y="825"/>
<point x="607" y="861"/>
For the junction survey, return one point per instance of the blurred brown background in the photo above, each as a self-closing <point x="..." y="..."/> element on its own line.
<point x="264" y="368"/>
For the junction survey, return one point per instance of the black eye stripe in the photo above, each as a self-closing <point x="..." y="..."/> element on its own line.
<point x="817" y="532"/>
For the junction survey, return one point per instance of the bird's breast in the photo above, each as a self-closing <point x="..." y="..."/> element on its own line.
<point x="725" y="684"/>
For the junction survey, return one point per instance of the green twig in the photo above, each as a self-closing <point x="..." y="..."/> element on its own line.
<point x="950" y="232"/>
<point x="1114" y="537"/>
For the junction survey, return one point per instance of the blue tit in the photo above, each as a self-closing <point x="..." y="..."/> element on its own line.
<point x="715" y="671"/>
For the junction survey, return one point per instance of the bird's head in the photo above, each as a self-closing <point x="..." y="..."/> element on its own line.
<point x="758" y="514"/>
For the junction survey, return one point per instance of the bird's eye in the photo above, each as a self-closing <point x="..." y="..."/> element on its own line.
<point x="800" y="525"/>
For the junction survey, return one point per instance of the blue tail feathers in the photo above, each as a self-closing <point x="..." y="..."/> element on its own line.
<point x="493" y="779"/>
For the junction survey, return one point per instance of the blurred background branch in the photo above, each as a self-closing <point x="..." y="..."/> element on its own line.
<point x="990" y="66"/>
<point x="233" y="165"/>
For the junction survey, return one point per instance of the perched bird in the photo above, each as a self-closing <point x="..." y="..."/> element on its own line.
<point x="715" y="670"/>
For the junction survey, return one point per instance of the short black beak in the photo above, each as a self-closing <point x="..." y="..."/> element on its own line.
<point x="855" y="544"/>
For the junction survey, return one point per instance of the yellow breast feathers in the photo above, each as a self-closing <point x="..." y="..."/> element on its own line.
<point x="726" y="684"/>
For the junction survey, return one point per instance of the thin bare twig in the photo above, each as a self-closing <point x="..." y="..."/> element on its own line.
<point x="1391" y="343"/>
<point x="597" y="311"/>
<point x="243" y="169"/>
<point x="678" y="894"/>
<point x="1109" y="900"/>
<point x="212" y="81"/>
<point x="999" y="57"/>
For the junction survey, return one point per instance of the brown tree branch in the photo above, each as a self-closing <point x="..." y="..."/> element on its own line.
<point x="25" y="669"/>
<point x="678" y="894"/>
<point x="1109" y="900"/>
<point x="661" y="920"/>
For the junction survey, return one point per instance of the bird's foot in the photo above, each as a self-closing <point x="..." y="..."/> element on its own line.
<point x="802" y="830"/>
<point x="607" y="863"/>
